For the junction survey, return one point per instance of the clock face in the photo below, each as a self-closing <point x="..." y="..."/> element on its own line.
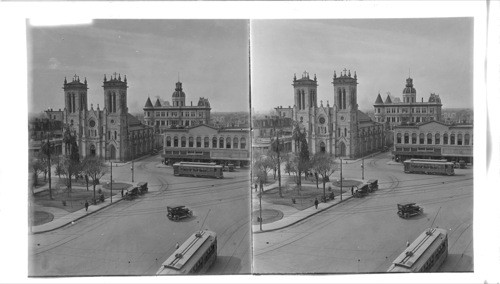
<point x="92" y="123"/>
<point x="322" y="120"/>
<point x="112" y="121"/>
<point x="342" y="118"/>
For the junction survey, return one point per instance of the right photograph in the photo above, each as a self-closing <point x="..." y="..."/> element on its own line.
<point x="362" y="145"/>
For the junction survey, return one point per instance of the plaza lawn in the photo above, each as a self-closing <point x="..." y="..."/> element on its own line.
<point x="304" y="198"/>
<point x="41" y="217"/>
<point x="75" y="199"/>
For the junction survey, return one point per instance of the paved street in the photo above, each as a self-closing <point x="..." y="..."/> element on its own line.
<point x="366" y="235"/>
<point x="135" y="237"/>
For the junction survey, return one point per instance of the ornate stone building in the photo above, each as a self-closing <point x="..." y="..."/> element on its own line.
<point x="394" y="112"/>
<point x="341" y="129"/>
<point x="165" y="116"/>
<point x="111" y="133"/>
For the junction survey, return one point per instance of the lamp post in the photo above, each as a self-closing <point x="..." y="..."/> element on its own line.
<point x="278" y="156"/>
<point x="363" y="169"/>
<point x="111" y="188"/>
<point x="260" y="207"/>
<point x="132" y="169"/>
<point x="340" y="179"/>
<point x="49" y="165"/>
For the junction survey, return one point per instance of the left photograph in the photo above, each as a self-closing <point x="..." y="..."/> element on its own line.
<point x="139" y="148"/>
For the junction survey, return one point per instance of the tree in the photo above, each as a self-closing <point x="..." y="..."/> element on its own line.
<point x="59" y="170"/>
<point x="36" y="167"/>
<point x="261" y="167"/>
<point x="71" y="161"/>
<point x="289" y="165"/>
<point x="302" y="161"/>
<point x="95" y="168"/>
<point x="46" y="149"/>
<point x="324" y="165"/>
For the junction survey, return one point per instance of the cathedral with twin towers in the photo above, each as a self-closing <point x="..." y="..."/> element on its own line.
<point x="340" y="129"/>
<point x="112" y="132"/>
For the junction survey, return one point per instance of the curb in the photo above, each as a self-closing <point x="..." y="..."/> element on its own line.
<point x="81" y="217"/>
<point x="302" y="219"/>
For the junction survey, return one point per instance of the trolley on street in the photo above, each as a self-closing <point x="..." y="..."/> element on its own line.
<point x="425" y="254"/>
<point x="198" y="169"/>
<point x="194" y="256"/>
<point x="427" y="166"/>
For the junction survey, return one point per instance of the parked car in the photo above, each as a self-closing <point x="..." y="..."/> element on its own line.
<point x="362" y="191"/>
<point x="143" y="187"/>
<point x="178" y="212"/>
<point x="462" y="164"/>
<point x="373" y="185"/>
<point x="132" y="193"/>
<point x="408" y="210"/>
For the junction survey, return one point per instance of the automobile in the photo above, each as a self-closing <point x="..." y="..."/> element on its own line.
<point x="362" y="191"/>
<point x="373" y="184"/>
<point x="407" y="210"/>
<point x="132" y="193"/>
<point x="178" y="212"/>
<point x="462" y="164"/>
<point x="230" y="167"/>
<point x="154" y="152"/>
<point x="143" y="187"/>
<point x="385" y="149"/>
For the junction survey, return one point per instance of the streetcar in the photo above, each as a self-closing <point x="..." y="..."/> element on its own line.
<point x="194" y="256"/>
<point x="425" y="254"/>
<point x="198" y="169"/>
<point x="428" y="166"/>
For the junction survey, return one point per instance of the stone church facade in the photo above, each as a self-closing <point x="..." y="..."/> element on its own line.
<point x="110" y="133"/>
<point x="341" y="129"/>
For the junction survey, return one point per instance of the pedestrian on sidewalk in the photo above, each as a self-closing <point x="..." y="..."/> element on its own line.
<point x="316" y="202"/>
<point x="176" y="245"/>
<point x="86" y="205"/>
<point x="255" y="187"/>
<point x="122" y="192"/>
<point x="352" y="190"/>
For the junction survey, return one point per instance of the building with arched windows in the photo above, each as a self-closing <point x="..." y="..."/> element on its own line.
<point x="393" y="112"/>
<point x="203" y="143"/>
<point x="341" y="129"/>
<point x="111" y="133"/>
<point x="164" y="115"/>
<point x="433" y="140"/>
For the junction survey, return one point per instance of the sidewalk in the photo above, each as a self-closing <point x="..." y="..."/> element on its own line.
<point x="63" y="217"/>
<point x="291" y="215"/>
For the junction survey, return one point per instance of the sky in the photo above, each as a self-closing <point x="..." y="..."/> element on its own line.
<point x="209" y="56"/>
<point x="436" y="52"/>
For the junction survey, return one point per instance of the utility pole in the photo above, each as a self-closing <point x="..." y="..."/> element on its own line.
<point x="260" y="207"/>
<point x="340" y="179"/>
<point x="49" y="165"/>
<point x="278" y="155"/>
<point x="132" y="169"/>
<point x="363" y="169"/>
<point x="111" y="188"/>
